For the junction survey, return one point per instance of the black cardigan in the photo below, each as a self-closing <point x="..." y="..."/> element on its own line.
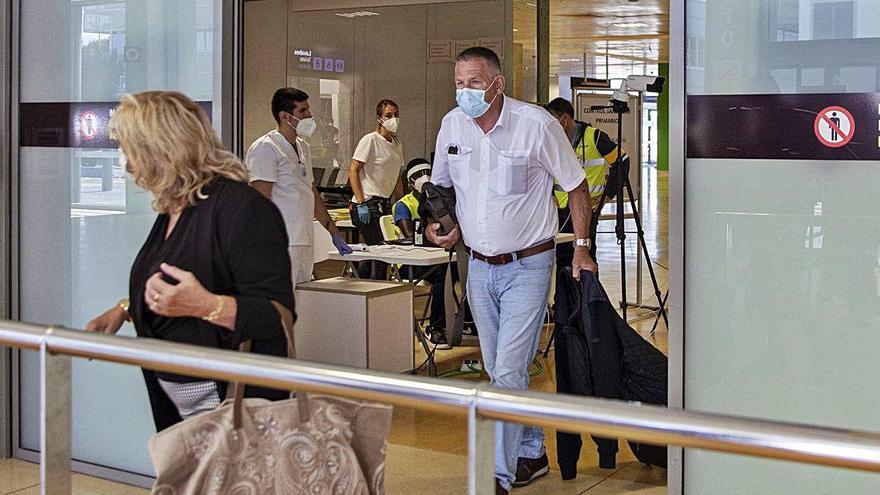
<point x="235" y="244"/>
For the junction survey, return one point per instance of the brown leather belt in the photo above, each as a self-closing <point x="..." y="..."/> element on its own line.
<point x="503" y="259"/>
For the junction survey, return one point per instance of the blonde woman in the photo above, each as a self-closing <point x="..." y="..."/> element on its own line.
<point x="215" y="259"/>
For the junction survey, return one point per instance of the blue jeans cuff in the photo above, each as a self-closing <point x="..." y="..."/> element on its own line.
<point x="530" y="452"/>
<point x="506" y="484"/>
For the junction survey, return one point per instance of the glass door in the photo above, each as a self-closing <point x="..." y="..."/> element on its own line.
<point x="783" y="252"/>
<point x="82" y="220"/>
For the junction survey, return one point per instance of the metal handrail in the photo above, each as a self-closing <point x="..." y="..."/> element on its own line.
<point x="652" y="424"/>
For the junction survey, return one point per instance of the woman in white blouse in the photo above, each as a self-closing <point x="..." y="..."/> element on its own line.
<point x="375" y="180"/>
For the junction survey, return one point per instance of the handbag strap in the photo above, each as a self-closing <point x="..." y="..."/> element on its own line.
<point x="236" y="389"/>
<point x="287" y="323"/>
<point x="302" y="398"/>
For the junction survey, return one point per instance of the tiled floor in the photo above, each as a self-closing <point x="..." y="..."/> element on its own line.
<point x="428" y="451"/>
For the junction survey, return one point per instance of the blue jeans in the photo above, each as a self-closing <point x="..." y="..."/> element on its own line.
<point x="509" y="303"/>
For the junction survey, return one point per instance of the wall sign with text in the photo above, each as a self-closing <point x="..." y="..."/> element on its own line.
<point x="307" y="59"/>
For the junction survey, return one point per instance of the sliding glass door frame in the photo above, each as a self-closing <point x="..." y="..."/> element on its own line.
<point x="227" y="113"/>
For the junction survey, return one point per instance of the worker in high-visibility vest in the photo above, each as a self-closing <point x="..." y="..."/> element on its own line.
<point x="598" y="155"/>
<point x="406" y="213"/>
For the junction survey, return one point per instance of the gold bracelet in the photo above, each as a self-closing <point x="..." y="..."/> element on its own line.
<point x="124" y="305"/>
<point x="217" y="310"/>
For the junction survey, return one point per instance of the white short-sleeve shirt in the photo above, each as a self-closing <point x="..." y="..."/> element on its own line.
<point x="383" y="161"/>
<point x="503" y="179"/>
<point x="273" y="159"/>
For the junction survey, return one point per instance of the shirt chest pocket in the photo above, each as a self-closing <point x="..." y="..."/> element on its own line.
<point x="459" y="167"/>
<point x="513" y="172"/>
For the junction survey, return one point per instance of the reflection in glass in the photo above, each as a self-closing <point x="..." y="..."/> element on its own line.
<point x="82" y="220"/>
<point x="783" y="46"/>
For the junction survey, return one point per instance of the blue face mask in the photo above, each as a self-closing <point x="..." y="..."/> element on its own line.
<point x="473" y="101"/>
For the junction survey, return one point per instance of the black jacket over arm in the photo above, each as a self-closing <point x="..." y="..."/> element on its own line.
<point x="598" y="354"/>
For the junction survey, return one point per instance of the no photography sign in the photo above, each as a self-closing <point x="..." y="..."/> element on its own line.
<point x="818" y="126"/>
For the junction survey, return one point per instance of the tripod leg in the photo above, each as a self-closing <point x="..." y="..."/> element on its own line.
<point x="657" y="319"/>
<point x="641" y="235"/>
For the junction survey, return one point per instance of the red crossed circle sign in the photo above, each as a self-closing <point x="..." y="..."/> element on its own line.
<point x="88" y="125"/>
<point x="834" y="126"/>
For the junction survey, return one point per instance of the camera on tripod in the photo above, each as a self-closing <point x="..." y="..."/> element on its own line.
<point x="650" y="84"/>
<point x="619" y="105"/>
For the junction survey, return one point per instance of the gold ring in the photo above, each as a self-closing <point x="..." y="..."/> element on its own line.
<point x="156" y="298"/>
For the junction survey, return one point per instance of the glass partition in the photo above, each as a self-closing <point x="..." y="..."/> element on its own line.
<point x="82" y="219"/>
<point x="782" y="259"/>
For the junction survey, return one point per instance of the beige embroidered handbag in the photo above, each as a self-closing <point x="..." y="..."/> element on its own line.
<point x="311" y="444"/>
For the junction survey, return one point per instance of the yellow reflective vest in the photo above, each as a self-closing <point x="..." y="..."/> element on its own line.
<point x="594" y="165"/>
<point x="412" y="204"/>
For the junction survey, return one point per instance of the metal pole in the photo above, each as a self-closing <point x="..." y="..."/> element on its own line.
<point x="481" y="451"/>
<point x="621" y="224"/>
<point x="543" y="49"/>
<point x="6" y="153"/>
<point x="849" y="449"/>
<point x="54" y="421"/>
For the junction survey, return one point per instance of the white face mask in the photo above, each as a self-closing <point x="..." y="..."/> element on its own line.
<point x="391" y="124"/>
<point x="305" y="128"/>
<point x="419" y="184"/>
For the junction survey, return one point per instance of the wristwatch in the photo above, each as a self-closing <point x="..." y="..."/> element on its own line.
<point x="587" y="243"/>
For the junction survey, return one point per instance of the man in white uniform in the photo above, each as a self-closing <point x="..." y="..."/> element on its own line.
<point x="280" y="166"/>
<point x="502" y="156"/>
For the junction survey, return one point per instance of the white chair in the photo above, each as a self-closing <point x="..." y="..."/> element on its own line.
<point x="390" y="231"/>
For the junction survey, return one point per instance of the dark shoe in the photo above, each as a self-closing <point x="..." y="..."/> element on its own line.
<point x="499" y="490"/>
<point x="437" y="336"/>
<point x="530" y="469"/>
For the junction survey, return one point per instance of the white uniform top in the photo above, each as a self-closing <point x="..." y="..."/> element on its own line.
<point x="383" y="162"/>
<point x="272" y="159"/>
<point x="503" y="179"/>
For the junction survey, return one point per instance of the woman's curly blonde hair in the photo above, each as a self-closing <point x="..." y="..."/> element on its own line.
<point x="171" y="148"/>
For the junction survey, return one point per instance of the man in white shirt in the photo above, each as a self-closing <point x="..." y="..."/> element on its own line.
<point x="280" y="166"/>
<point x="502" y="156"/>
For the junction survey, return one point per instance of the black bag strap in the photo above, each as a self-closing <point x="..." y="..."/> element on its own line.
<point x="455" y="316"/>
